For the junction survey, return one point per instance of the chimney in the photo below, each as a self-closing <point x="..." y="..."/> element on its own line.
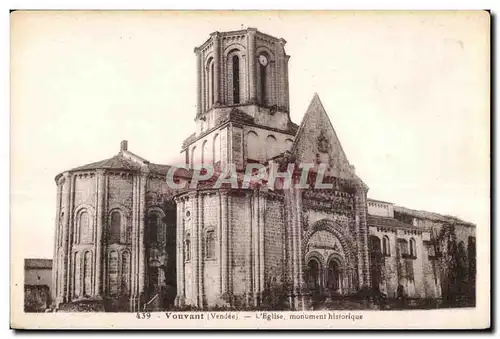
<point x="123" y="145"/>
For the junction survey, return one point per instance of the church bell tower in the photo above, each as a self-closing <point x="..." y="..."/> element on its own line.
<point x="246" y="68"/>
<point x="242" y="78"/>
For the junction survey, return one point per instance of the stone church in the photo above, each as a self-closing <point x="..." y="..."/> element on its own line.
<point x="127" y="239"/>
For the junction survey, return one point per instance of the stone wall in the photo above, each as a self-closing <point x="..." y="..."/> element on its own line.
<point x="274" y="240"/>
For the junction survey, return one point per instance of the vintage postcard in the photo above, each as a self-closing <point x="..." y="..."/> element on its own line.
<point x="250" y="169"/>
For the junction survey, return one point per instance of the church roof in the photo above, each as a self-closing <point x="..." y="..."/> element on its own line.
<point x="126" y="160"/>
<point x="234" y="114"/>
<point x="37" y="263"/>
<point x="431" y="216"/>
<point x="116" y="162"/>
<point x="316" y="136"/>
<point x="377" y="221"/>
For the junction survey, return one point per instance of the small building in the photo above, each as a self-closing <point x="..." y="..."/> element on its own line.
<point x="37" y="284"/>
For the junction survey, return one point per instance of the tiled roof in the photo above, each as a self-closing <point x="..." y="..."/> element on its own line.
<point x="378" y="221"/>
<point x="239" y="116"/>
<point x="236" y="115"/>
<point x="121" y="162"/>
<point x="430" y="215"/>
<point x="163" y="169"/>
<point x="158" y="168"/>
<point x="38" y="263"/>
<point x="116" y="162"/>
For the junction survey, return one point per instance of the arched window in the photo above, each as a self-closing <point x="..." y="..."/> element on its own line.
<point x="236" y="79"/>
<point x="375" y="245"/>
<point x="187" y="250"/>
<point x="125" y="273"/>
<point x="205" y="154"/>
<point x="413" y="248"/>
<point x="403" y="247"/>
<point x="271" y="147"/>
<point x="153" y="227"/>
<point x="210" y="244"/>
<point x="314" y="275"/>
<point x="386" y="246"/>
<point x="216" y="156"/>
<point x="193" y="158"/>
<point x="87" y="274"/>
<point x="86" y="231"/>
<point x="115" y="227"/>
<point x="263" y="84"/>
<point x="113" y="286"/>
<point x="212" y="84"/>
<point x="209" y="84"/>
<point x="76" y="275"/>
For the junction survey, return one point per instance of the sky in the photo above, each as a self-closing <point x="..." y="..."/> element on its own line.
<point x="407" y="93"/>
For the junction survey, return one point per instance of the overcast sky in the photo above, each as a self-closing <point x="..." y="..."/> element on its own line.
<point x="407" y="95"/>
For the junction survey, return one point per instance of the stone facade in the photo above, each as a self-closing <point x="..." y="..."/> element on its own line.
<point x="127" y="238"/>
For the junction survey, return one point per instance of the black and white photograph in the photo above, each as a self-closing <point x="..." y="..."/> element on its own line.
<point x="250" y="169"/>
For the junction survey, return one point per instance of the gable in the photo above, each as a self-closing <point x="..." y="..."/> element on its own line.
<point x="317" y="142"/>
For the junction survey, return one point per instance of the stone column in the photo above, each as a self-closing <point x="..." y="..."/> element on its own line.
<point x="359" y="254"/>
<point x="132" y="252"/>
<point x="198" y="81"/>
<point x="68" y="192"/>
<point x="217" y="69"/>
<point x="252" y="88"/>
<point x="248" y="259"/>
<point x="281" y="67"/>
<point x="134" y="284"/>
<point x="256" y="252"/>
<point x="224" y="243"/>
<point x="362" y="229"/>
<point x="287" y="90"/>
<point x="293" y="228"/>
<point x="100" y="181"/>
<point x="262" y="211"/>
<point x="142" y="244"/>
<point x="300" y="270"/>
<point x="179" y="300"/>
<point x="194" y="256"/>
<point x="57" y="231"/>
<point x="229" y="246"/>
<point x="201" y="255"/>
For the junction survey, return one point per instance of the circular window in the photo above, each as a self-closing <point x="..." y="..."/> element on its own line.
<point x="188" y="214"/>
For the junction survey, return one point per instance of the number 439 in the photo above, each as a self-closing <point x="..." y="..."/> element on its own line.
<point x="143" y="315"/>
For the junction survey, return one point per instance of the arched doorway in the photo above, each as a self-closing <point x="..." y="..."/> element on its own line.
<point x="329" y="241"/>
<point x="314" y="275"/>
<point x="333" y="277"/>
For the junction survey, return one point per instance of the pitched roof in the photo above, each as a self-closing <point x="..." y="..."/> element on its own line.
<point x="378" y="221"/>
<point x="317" y="135"/>
<point x="235" y="114"/>
<point x="116" y="162"/>
<point x="431" y="216"/>
<point x="37" y="263"/>
<point x="124" y="160"/>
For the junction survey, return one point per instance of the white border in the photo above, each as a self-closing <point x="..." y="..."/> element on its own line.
<point x="101" y="4"/>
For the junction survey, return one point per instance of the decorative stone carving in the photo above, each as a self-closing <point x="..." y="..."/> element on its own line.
<point x="323" y="143"/>
<point x="154" y="198"/>
<point x="305" y="220"/>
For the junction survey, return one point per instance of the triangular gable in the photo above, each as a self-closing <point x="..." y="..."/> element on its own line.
<point x="316" y="140"/>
